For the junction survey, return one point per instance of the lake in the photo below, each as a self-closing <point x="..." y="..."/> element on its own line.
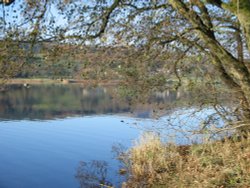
<point x="62" y="135"/>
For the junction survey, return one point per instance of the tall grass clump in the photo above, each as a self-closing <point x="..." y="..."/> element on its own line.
<point x="152" y="163"/>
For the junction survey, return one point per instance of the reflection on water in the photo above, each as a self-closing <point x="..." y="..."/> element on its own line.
<point x="93" y="174"/>
<point x="58" y="101"/>
<point x="48" y="102"/>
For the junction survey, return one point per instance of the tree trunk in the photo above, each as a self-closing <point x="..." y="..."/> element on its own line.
<point x="245" y="22"/>
<point x="235" y="69"/>
<point x="240" y="51"/>
<point x="241" y="8"/>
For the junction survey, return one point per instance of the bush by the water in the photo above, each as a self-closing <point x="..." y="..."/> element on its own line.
<point x="152" y="163"/>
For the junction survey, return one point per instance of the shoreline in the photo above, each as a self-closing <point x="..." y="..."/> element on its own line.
<point x="25" y="81"/>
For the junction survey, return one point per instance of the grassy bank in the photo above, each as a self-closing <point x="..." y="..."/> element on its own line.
<point x="151" y="163"/>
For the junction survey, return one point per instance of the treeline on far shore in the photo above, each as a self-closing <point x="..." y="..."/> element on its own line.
<point x="57" y="61"/>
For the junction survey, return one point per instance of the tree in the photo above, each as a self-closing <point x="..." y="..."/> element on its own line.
<point x="191" y="25"/>
<point x="211" y="28"/>
<point x="232" y="70"/>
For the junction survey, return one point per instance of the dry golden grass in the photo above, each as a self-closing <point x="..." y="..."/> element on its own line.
<point x="216" y="164"/>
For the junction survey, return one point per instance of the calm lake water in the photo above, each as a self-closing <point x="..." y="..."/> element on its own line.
<point x="62" y="135"/>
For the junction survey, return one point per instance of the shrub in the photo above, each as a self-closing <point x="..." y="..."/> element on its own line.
<point x="153" y="163"/>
